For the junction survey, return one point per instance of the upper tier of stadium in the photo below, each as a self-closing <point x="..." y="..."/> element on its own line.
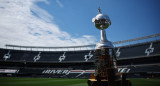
<point x="126" y="52"/>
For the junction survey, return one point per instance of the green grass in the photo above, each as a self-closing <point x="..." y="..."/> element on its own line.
<point x="66" y="82"/>
<point x="145" y="82"/>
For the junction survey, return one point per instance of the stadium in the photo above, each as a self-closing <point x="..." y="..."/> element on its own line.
<point x="135" y="59"/>
<point x="55" y="43"/>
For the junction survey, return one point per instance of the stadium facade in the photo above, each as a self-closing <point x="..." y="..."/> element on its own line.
<point x="135" y="58"/>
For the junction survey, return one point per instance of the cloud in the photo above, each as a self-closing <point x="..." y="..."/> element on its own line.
<point x="59" y="3"/>
<point x="24" y="23"/>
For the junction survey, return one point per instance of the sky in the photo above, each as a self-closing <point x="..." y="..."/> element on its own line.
<point x="69" y="22"/>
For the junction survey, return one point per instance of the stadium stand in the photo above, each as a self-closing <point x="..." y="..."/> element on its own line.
<point x="133" y="58"/>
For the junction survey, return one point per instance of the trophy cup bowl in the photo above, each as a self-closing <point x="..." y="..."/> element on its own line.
<point x="101" y="20"/>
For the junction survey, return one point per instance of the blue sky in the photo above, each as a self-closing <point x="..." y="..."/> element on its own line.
<point x="69" y="22"/>
<point x="130" y="18"/>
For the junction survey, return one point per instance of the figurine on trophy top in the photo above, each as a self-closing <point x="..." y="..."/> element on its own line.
<point x="102" y="22"/>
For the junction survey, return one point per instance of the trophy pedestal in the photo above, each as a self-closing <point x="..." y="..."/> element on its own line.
<point x="106" y="70"/>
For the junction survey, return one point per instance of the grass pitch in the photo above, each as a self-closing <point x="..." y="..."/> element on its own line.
<point x="66" y="82"/>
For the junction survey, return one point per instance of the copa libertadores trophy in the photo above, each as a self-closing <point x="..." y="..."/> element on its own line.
<point x="106" y="73"/>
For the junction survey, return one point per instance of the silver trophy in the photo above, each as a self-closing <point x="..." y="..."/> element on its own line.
<point x="106" y="73"/>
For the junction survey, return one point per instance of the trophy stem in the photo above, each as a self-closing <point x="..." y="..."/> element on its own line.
<point x="103" y="36"/>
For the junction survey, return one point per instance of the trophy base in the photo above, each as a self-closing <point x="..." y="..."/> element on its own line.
<point x="94" y="82"/>
<point x="104" y="44"/>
